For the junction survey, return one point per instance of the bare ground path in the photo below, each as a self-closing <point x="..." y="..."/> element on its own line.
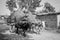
<point x="45" y="35"/>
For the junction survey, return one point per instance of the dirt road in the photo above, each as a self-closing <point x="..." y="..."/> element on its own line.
<point x="46" y="36"/>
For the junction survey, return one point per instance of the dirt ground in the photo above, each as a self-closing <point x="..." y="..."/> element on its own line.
<point x="45" y="35"/>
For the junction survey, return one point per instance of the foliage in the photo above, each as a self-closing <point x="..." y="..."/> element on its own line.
<point x="11" y="4"/>
<point x="28" y="4"/>
<point x="48" y="7"/>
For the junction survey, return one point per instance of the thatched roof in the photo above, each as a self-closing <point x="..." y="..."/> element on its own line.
<point x="50" y="13"/>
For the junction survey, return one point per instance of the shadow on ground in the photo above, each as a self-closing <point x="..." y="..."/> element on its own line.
<point x="2" y="37"/>
<point x="13" y="37"/>
<point x="3" y="28"/>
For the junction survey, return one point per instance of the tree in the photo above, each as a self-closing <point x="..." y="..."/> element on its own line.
<point x="34" y="4"/>
<point x="28" y="4"/>
<point x="17" y="15"/>
<point x="48" y="7"/>
<point x="11" y="4"/>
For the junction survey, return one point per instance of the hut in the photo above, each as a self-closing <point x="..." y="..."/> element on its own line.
<point x="51" y="19"/>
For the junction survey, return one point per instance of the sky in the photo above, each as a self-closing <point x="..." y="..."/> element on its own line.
<point x="4" y="10"/>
